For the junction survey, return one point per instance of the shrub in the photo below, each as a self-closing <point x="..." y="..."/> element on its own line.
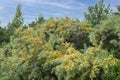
<point x="46" y="53"/>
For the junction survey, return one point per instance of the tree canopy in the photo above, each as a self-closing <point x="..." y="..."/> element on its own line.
<point x="97" y="13"/>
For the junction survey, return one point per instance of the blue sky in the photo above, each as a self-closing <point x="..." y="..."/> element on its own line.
<point x="56" y="8"/>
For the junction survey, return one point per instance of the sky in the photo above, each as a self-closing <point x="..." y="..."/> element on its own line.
<point x="56" y="8"/>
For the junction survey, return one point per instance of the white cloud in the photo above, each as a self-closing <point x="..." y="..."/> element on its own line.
<point x="57" y="4"/>
<point x="54" y="3"/>
<point x="61" y="4"/>
<point x="31" y="1"/>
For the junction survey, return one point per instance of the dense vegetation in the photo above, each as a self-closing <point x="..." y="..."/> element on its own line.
<point x="61" y="48"/>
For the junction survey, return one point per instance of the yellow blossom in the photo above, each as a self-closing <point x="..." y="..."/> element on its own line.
<point x="18" y="31"/>
<point x="21" y="59"/>
<point x="71" y="57"/>
<point x="37" y="40"/>
<point x="33" y="49"/>
<point x="71" y="50"/>
<point x="27" y="37"/>
<point x="24" y="53"/>
<point x="52" y="23"/>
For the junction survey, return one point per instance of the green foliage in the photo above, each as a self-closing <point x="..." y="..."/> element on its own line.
<point x="97" y="13"/>
<point x="79" y="35"/>
<point x="62" y="48"/>
<point x="17" y="21"/>
<point x="46" y="53"/>
<point x="4" y="37"/>
<point x="113" y="74"/>
<point x="118" y="8"/>
<point x="107" y="33"/>
<point x="38" y="21"/>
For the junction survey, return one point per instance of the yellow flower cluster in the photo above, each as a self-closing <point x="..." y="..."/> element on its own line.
<point x="18" y="31"/>
<point x="53" y="23"/>
<point x="25" y="54"/>
<point x="37" y="40"/>
<point x="49" y="47"/>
